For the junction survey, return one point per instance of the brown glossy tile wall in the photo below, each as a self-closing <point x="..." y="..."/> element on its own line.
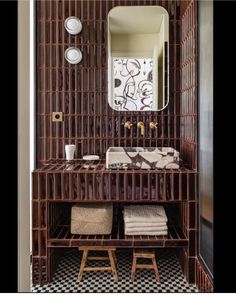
<point x="80" y="91"/>
<point x="188" y="86"/>
<point x="203" y="281"/>
<point x="188" y="132"/>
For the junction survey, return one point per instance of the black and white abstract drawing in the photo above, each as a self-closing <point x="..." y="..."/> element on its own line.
<point x="133" y="84"/>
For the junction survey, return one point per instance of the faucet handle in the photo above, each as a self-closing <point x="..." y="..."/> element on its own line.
<point x="141" y="126"/>
<point x="128" y="124"/>
<point x="153" y="125"/>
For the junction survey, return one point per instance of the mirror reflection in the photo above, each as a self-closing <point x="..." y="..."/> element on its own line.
<point x="138" y="58"/>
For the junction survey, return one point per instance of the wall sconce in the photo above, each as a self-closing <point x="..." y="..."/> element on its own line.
<point x="73" y="55"/>
<point x="73" y="25"/>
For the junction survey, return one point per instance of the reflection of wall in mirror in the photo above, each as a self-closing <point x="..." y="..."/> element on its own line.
<point x="161" y="66"/>
<point x="142" y="36"/>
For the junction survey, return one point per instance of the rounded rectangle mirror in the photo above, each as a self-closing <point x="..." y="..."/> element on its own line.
<point x="138" y="58"/>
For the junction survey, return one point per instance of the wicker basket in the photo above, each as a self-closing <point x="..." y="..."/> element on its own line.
<point x="91" y="219"/>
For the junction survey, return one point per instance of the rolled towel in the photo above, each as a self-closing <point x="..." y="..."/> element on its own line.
<point x="146" y="213"/>
<point x="143" y="229"/>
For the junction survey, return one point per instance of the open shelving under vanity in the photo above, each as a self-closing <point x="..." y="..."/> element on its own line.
<point x="59" y="184"/>
<point x="63" y="238"/>
<point x="59" y="234"/>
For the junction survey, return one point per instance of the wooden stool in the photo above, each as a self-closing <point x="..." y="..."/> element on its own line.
<point x="144" y="253"/>
<point x="111" y="257"/>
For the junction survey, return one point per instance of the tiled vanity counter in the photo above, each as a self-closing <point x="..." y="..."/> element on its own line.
<point x="91" y="181"/>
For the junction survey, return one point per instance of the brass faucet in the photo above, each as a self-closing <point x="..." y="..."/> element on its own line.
<point x="128" y="124"/>
<point x="141" y="125"/>
<point x="153" y="125"/>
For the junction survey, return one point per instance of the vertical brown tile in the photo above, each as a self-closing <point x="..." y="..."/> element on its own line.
<point x="80" y="92"/>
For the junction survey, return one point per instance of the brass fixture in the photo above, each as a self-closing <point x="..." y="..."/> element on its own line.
<point x="153" y="125"/>
<point x="128" y="124"/>
<point x="141" y="125"/>
<point x="57" y="117"/>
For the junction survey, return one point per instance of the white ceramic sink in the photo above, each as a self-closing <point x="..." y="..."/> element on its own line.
<point x="142" y="158"/>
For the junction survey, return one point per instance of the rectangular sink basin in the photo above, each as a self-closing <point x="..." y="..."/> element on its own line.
<point x="142" y="158"/>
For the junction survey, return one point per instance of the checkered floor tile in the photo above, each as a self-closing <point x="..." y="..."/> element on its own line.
<point x="65" y="278"/>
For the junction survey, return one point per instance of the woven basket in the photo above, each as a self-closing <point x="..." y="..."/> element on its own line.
<point x="91" y="219"/>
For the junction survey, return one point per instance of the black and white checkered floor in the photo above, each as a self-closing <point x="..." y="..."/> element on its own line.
<point x="65" y="278"/>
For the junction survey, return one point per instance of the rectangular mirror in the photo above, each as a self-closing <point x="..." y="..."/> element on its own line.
<point x="138" y="58"/>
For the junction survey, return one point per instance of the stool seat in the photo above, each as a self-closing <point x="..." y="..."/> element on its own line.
<point x="144" y="253"/>
<point x="111" y="257"/>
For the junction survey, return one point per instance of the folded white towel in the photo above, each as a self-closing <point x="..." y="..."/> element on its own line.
<point x="144" y="213"/>
<point x="144" y="229"/>
<point x="144" y="224"/>
<point x="151" y="233"/>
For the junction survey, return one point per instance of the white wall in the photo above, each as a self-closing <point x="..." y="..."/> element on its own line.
<point x="23" y="146"/>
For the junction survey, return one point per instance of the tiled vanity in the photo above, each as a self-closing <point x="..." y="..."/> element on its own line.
<point x="59" y="184"/>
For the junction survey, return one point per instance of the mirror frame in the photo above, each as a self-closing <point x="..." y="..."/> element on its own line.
<point x="115" y="26"/>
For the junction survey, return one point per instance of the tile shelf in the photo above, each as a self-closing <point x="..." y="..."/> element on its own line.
<point x="59" y="234"/>
<point x="63" y="238"/>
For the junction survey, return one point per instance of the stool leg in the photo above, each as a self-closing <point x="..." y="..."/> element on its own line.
<point x="82" y="265"/>
<point x="111" y="257"/>
<point x="114" y="257"/>
<point x="133" y="270"/>
<point x="155" y="269"/>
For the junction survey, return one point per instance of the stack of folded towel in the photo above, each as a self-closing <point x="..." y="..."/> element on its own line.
<point x="145" y="220"/>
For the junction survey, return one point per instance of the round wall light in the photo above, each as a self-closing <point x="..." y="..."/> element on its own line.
<point x="73" y="25"/>
<point x="73" y="55"/>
